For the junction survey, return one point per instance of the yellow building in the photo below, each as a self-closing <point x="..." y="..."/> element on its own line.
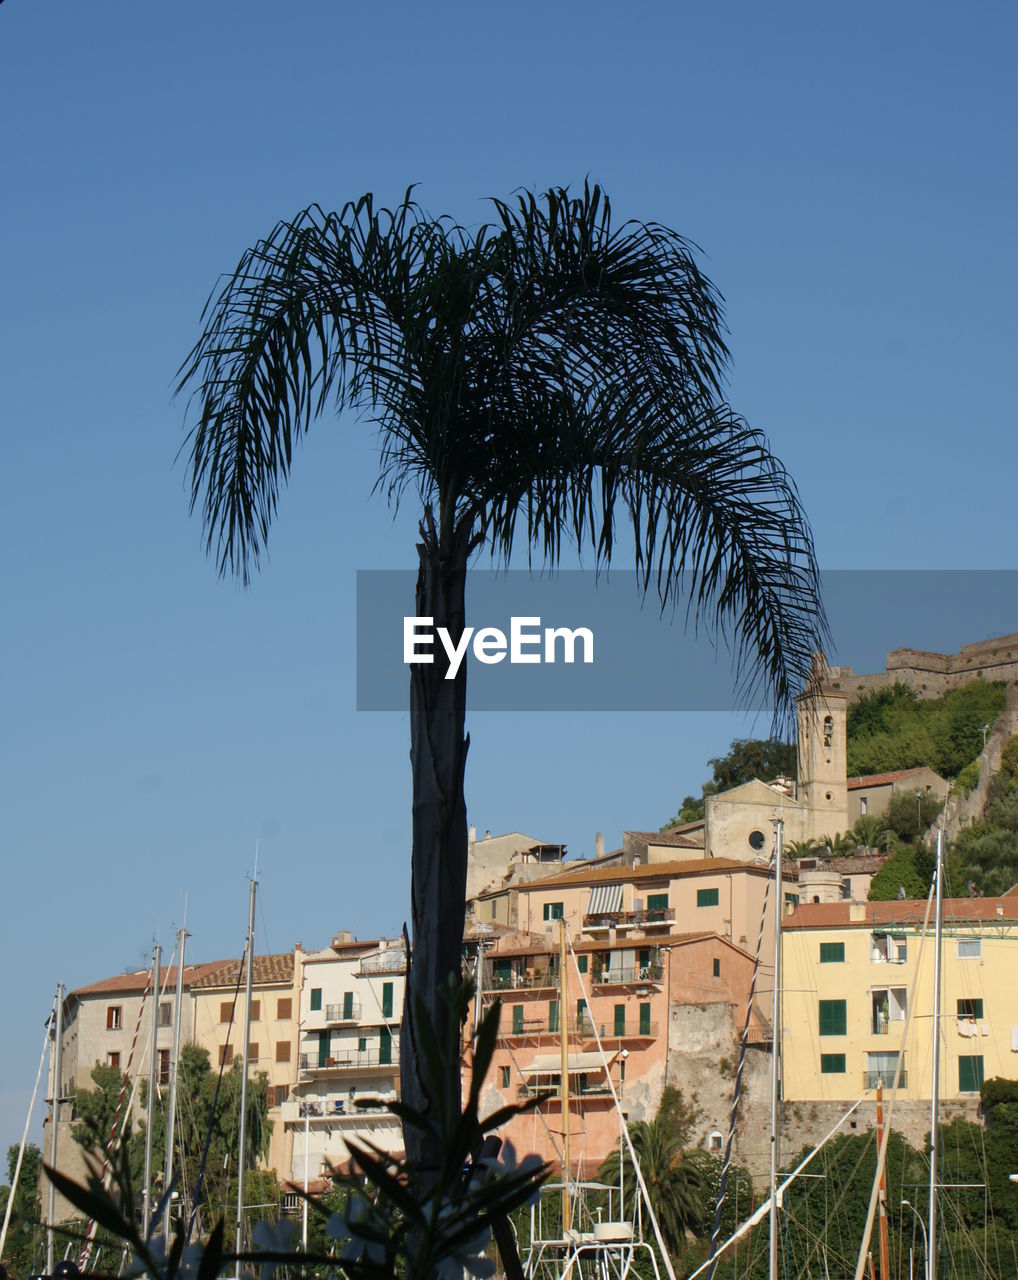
<point x="853" y="971"/>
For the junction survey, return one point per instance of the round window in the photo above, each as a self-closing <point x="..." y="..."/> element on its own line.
<point x="757" y="840"/>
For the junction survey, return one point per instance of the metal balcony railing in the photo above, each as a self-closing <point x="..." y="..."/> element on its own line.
<point x="593" y="1089"/>
<point x="351" y="1062"/>
<point x="344" y="1012"/>
<point x="612" y="919"/>
<point x="620" y="977"/>
<point x="391" y="960"/>
<point x="872" y="1078"/>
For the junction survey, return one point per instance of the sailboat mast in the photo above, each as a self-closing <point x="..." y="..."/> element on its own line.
<point x="882" y="1193"/>
<point x="171" y="1108"/>
<point x="564" y="1086"/>
<point x="931" y="1260"/>
<point x="153" y="1058"/>
<point x="249" y="967"/>
<point x="779" y="902"/>
<point x="56" y="1058"/>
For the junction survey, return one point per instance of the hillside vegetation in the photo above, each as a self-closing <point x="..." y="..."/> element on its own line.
<point x="987" y="851"/>
<point x="893" y="729"/>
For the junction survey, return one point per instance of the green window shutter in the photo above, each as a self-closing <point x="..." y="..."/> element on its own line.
<point x="552" y="1015"/>
<point x="316" y="999"/>
<point x="644" y="1019"/>
<point x="547" y="911"/>
<point x="517" y="1019"/>
<point x="657" y="901"/>
<point x="362" y="1044"/>
<point x="643" y="960"/>
<point x="620" y="1020"/>
<point x="832" y="953"/>
<point x="323" y="1047"/>
<point x="717" y="968"/>
<point x="582" y="963"/>
<point x="970" y="1073"/>
<point x="385" y="1047"/>
<point x="505" y="1077"/>
<point x="347" y="1004"/>
<point x="833" y="1018"/>
<point x="707" y="897"/>
<point x="832" y="1064"/>
<point x="558" y="910"/>
<point x="386" y="999"/>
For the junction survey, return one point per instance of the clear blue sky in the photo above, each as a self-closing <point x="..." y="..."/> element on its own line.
<point x="851" y="177"/>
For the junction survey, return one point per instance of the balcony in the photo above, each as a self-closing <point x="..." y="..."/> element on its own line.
<point x="494" y="983"/>
<point x="647" y="919"/>
<point x="311" y="1064"/>
<point x="623" y="977"/>
<point x="335" y="1110"/>
<point x="583" y="1029"/>
<point x="598" y="1089"/>
<point x="348" y="1011"/>
<point x="391" y="960"/>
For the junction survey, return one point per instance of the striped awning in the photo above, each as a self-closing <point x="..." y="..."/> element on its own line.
<point x="605" y="899"/>
<point x="548" y="1064"/>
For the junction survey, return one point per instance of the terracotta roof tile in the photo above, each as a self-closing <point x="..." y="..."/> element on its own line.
<point x="138" y="979"/>
<point x="267" y="971"/>
<point x="643" y="871"/>
<point x="881" y="779"/>
<point x="673" y="838"/>
<point x="837" y="915"/>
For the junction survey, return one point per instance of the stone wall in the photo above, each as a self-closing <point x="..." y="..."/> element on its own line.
<point x="960" y="811"/>
<point x="930" y="674"/>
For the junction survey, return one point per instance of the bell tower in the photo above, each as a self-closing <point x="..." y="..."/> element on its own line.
<point x="821" y="719"/>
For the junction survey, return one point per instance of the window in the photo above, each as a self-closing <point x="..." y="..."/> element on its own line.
<point x="166" y="1014"/>
<point x="791" y="899"/>
<point x="113" y="1059"/>
<point x="715" y="1141"/>
<point x="323" y="1048"/>
<point x="833" y="1018"/>
<point x="581" y="962"/>
<point x="347" y="1005"/>
<point x="887" y="949"/>
<point x="657" y="901"/>
<point x="362" y="1044"/>
<point x="644" y="1019"/>
<point x="164" y="1066"/>
<point x="717" y="968"/>
<point x="113" y="1017"/>
<point x="505" y="1077"/>
<point x="832" y="1064"/>
<point x="256" y="1011"/>
<point x="283" y="1048"/>
<point x="385" y="1047"/>
<point x="316" y="999"/>
<point x="284" y="1008"/>
<point x="552" y="1015"/>
<point x="643" y="958"/>
<point x="881" y="1068"/>
<point x="970" y="1073"/>
<point x="832" y="953"/>
<point x="757" y="840"/>
<point x="554" y="910"/>
<point x="517" y="1019"/>
<point x="620" y="1020"/>
<point x="252" y="1052"/>
<point x="707" y="897"/>
<point x="864" y="805"/>
<point x="494" y="908"/>
<point x="225" y="1055"/>
<point x="970" y="1010"/>
<point x="970" y="948"/>
<point x="277" y="1094"/>
<point x="889" y="1004"/>
<point x="386" y="999"/>
<point x="226" y="1011"/>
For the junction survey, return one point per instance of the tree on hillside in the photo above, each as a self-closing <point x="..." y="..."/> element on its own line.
<point x="910" y="814"/>
<point x="899" y="872"/>
<point x="534" y="380"/>
<point x="746" y="759"/>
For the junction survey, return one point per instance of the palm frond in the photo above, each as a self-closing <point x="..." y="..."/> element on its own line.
<point x="535" y="380"/>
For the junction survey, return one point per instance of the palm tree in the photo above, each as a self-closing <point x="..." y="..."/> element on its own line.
<point x="532" y="380"/>
<point x="676" y="1186"/>
<point x="802" y="849"/>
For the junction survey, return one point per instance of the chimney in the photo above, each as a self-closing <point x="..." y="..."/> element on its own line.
<point x="473" y="835"/>
<point x="599" y="845"/>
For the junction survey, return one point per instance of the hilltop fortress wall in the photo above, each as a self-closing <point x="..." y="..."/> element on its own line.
<point x="930" y="675"/>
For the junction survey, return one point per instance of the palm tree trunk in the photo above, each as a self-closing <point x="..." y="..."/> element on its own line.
<point x="438" y="753"/>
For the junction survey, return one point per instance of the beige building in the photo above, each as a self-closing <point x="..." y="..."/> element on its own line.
<point x="217" y="1024"/>
<point x="872" y="793"/>
<point x="853" y="973"/>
